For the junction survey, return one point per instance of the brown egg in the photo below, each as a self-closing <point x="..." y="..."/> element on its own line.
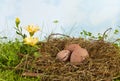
<point x="63" y="55"/>
<point x="78" y="55"/>
<point x="72" y="47"/>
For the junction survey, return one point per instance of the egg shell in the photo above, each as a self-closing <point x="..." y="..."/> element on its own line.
<point x="63" y="55"/>
<point x="78" y="55"/>
<point x="72" y="47"/>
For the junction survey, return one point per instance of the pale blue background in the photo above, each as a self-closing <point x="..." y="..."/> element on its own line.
<point x="92" y="15"/>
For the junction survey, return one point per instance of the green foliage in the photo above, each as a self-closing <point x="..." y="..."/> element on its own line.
<point x="117" y="41"/>
<point x="105" y="36"/>
<point x="3" y="37"/>
<point x="55" y="21"/>
<point x="117" y="79"/>
<point x="116" y="31"/>
<point x="86" y="34"/>
<point x="9" y="59"/>
<point x="19" y="32"/>
<point x="27" y="49"/>
<point x="9" y="75"/>
<point x="19" y="28"/>
<point x="8" y="53"/>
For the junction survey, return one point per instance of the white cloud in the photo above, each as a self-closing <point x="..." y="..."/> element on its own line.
<point x="38" y="11"/>
<point x="109" y="9"/>
<point x="68" y="12"/>
<point x="71" y="12"/>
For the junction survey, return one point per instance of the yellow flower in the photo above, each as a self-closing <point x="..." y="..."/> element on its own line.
<point x="32" y="29"/>
<point x="17" y="21"/>
<point x="30" y="41"/>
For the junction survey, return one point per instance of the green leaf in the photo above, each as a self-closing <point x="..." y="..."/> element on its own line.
<point x="89" y="34"/>
<point x="17" y="32"/>
<point x="21" y="29"/>
<point x="55" y="21"/>
<point x="37" y="54"/>
<point x="81" y="33"/>
<point x="116" y="31"/>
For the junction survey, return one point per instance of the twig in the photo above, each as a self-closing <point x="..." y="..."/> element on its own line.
<point x="30" y="74"/>
<point x="103" y="37"/>
<point x="56" y="34"/>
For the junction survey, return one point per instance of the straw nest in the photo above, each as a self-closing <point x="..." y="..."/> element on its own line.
<point x="102" y="65"/>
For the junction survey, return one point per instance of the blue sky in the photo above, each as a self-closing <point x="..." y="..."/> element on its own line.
<point x="92" y="15"/>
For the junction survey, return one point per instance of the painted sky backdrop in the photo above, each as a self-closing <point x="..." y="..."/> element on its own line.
<point x="91" y="15"/>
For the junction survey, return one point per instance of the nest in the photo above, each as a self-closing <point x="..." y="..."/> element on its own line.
<point x="102" y="65"/>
